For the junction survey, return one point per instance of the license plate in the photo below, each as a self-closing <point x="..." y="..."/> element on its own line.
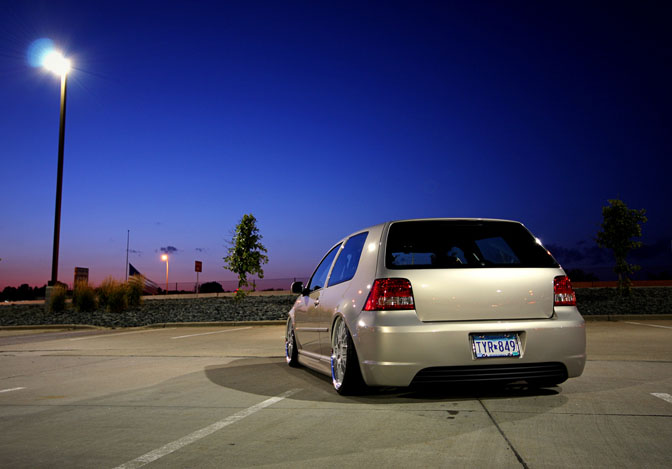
<point x="495" y="345"/>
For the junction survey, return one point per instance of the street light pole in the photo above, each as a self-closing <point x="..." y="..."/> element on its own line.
<point x="165" y="258"/>
<point x="59" y="180"/>
<point x="56" y="63"/>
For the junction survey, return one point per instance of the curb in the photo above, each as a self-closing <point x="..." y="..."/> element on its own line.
<point x="626" y="317"/>
<point x="51" y="326"/>
<point x="282" y="322"/>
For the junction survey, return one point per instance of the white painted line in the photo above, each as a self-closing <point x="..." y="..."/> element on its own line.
<point x="663" y="395"/>
<point x="202" y="433"/>
<point x="116" y="334"/>
<point x="10" y="390"/>
<point x="208" y="333"/>
<point x="649" y="325"/>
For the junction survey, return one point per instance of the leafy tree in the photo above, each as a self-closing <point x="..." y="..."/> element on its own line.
<point x="8" y="294"/>
<point x="246" y="253"/>
<point x="619" y="226"/>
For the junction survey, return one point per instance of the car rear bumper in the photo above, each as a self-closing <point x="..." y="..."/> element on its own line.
<point x="393" y="347"/>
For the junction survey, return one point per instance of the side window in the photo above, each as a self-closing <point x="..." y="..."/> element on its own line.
<point x="347" y="262"/>
<point x="319" y="277"/>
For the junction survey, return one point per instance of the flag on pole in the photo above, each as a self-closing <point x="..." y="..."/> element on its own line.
<point x="149" y="287"/>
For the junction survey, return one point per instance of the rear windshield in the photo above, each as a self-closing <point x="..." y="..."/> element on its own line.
<point x="445" y="244"/>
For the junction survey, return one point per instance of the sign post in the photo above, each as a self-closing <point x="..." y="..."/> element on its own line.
<point x="81" y="276"/>
<point x="198" y="267"/>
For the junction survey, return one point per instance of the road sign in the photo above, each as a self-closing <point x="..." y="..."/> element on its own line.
<point x="81" y="275"/>
<point x="199" y="266"/>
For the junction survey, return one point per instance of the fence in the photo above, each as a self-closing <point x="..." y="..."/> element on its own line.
<point x="258" y="284"/>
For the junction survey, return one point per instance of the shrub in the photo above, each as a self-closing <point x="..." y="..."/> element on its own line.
<point x="134" y="290"/>
<point x="117" y="300"/>
<point x="112" y="295"/>
<point x="84" y="297"/>
<point x="57" y="299"/>
<point x="211" y="287"/>
<point x="104" y="291"/>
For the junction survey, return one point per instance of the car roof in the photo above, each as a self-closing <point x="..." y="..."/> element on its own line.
<point x="435" y="219"/>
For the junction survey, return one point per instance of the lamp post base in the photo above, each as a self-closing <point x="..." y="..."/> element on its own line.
<point x="47" y="296"/>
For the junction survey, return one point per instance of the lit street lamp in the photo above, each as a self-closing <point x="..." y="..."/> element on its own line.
<point x="56" y="63"/>
<point x="165" y="258"/>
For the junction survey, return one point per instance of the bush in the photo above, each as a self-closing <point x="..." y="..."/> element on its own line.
<point x="84" y="298"/>
<point x="117" y="300"/>
<point x="57" y="299"/>
<point x="211" y="287"/>
<point x="112" y="295"/>
<point x="104" y="291"/>
<point x="134" y="290"/>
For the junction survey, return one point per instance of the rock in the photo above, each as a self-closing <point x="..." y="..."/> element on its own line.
<point x="252" y="308"/>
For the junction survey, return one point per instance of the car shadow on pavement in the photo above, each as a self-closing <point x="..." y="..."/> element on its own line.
<point x="272" y="376"/>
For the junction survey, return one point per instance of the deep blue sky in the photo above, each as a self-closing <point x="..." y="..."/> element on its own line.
<point x="321" y="118"/>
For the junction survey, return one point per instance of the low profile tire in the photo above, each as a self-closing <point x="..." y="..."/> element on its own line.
<point x="291" y="351"/>
<point x="345" y="372"/>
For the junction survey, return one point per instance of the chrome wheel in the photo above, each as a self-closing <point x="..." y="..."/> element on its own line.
<point x="339" y="355"/>
<point x="291" y="352"/>
<point x="345" y="372"/>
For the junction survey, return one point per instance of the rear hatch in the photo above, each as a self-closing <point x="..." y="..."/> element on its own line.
<point x="472" y="269"/>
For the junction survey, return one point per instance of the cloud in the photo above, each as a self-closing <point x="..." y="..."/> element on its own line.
<point x="586" y="253"/>
<point x="200" y="249"/>
<point x="169" y="250"/>
<point x="583" y="253"/>
<point x="659" y="251"/>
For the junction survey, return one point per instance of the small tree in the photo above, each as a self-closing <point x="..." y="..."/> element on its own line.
<point x="619" y="226"/>
<point x="246" y="253"/>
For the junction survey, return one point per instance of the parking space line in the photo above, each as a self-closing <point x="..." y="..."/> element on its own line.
<point x="10" y="390"/>
<point x="648" y="325"/>
<point x="663" y="395"/>
<point x="203" y="432"/>
<point x="215" y="332"/>
<point x="115" y="334"/>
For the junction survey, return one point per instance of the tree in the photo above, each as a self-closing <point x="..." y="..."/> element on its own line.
<point x="619" y="226"/>
<point x="246" y="253"/>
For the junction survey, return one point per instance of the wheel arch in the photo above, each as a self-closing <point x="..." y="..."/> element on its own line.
<point x="354" y="337"/>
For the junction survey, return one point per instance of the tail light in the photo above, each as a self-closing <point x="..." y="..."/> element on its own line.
<point x="390" y="294"/>
<point x="563" y="293"/>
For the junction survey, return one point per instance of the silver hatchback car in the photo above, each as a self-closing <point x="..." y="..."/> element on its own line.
<point x="437" y="301"/>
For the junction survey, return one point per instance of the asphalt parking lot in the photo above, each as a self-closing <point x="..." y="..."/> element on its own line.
<point x="223" y="397"/>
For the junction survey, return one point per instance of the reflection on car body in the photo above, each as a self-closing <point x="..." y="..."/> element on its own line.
<point x="437" y="301"/>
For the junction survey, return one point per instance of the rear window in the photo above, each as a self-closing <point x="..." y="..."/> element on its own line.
<point x="447" y="244"/>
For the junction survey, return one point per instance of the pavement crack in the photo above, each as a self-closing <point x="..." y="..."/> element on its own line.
<point x="501" y="432"/>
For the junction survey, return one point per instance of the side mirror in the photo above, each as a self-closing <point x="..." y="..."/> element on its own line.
<point x="297" y="287"/>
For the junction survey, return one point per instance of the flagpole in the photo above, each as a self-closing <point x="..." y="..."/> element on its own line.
<point x="128" y="239"/>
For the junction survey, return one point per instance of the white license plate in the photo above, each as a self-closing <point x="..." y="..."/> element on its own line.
<point x="496" y="345"/>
